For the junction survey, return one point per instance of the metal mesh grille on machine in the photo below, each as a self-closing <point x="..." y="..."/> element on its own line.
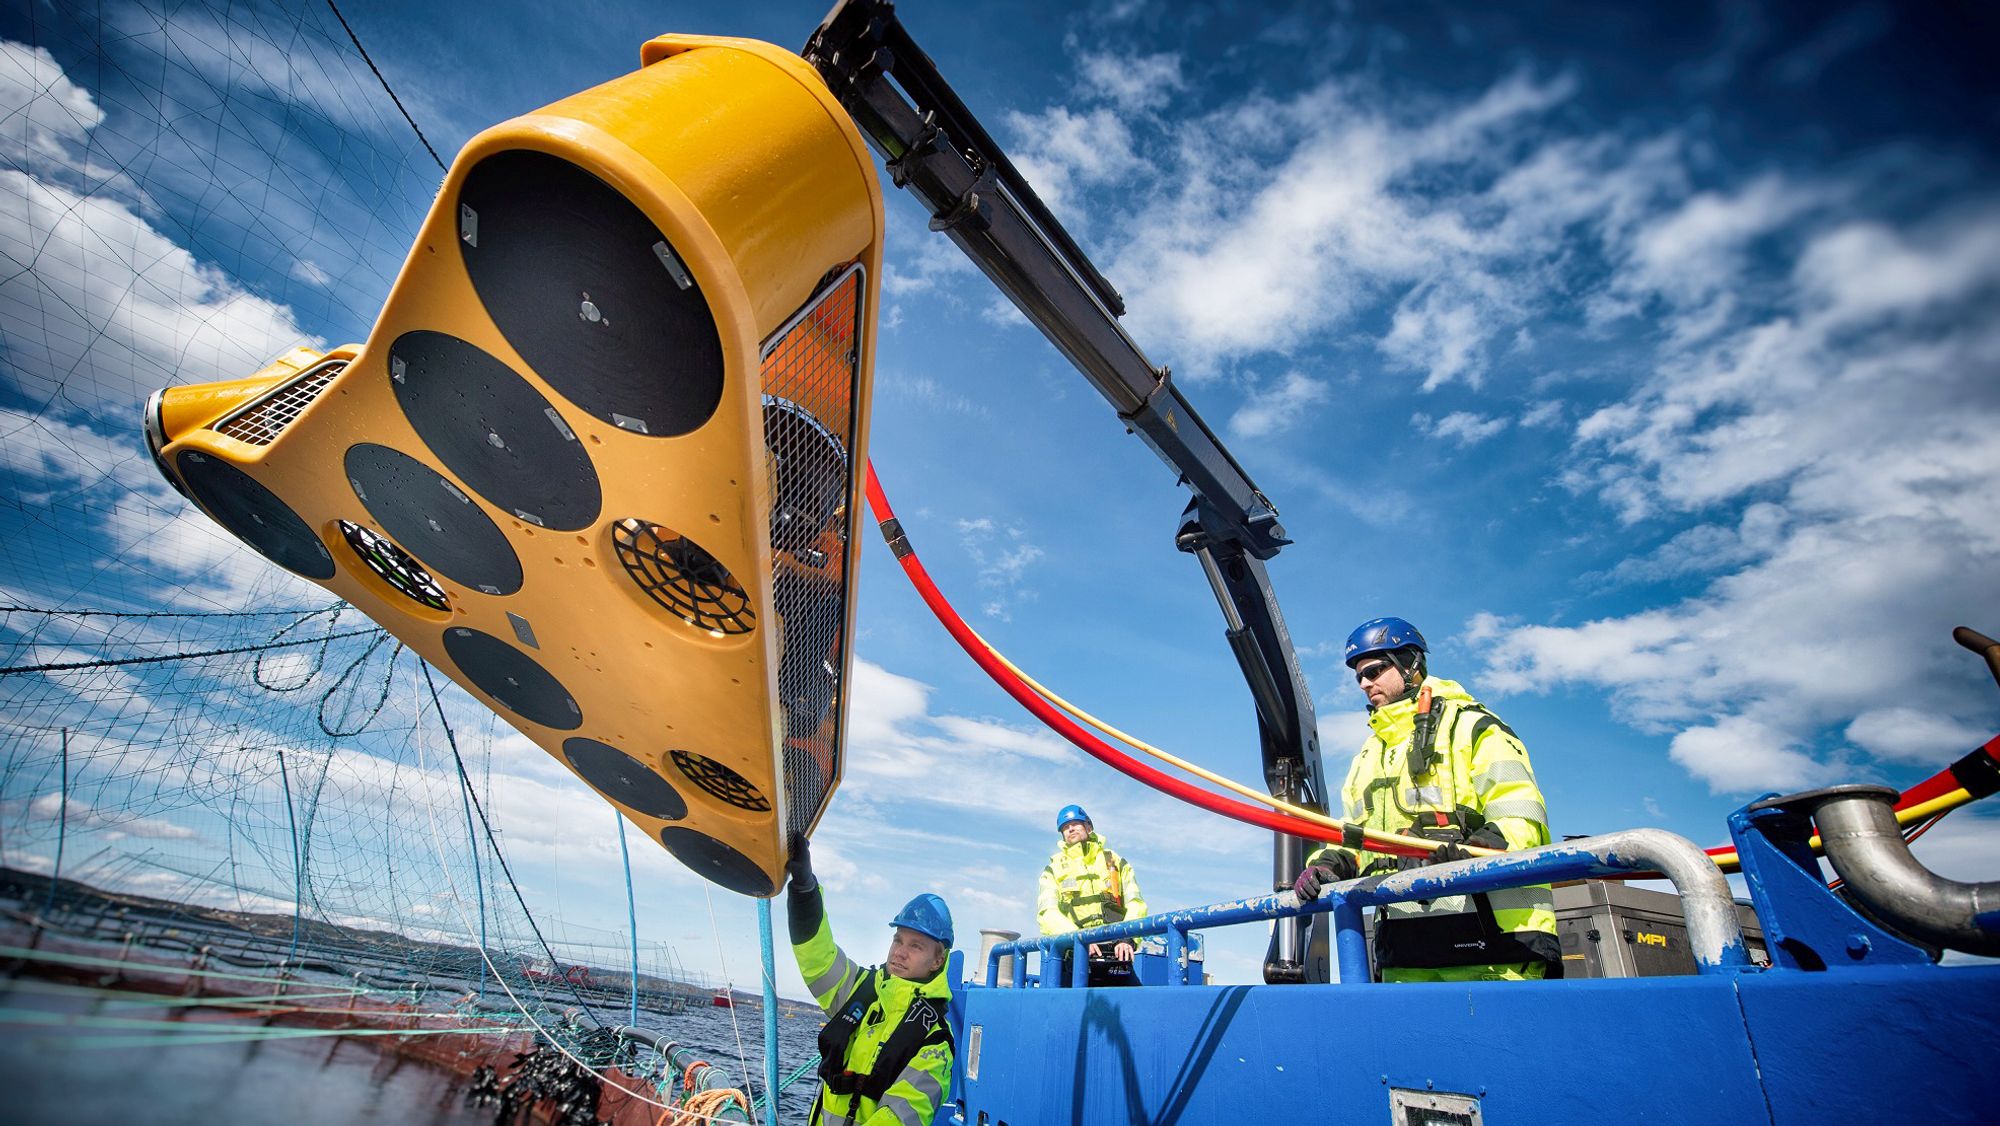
<point x="677" y="573"/>
<point x="719" y="780"/>
<point x="810" y="366"/>
<point x="395" y="566"/>
<point x="260" y="423"/>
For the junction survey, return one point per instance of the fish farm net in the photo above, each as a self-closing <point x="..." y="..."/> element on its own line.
<point x="210" y="778"/>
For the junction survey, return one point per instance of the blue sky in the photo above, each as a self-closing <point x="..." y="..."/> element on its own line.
<point x="1644" y="357"/>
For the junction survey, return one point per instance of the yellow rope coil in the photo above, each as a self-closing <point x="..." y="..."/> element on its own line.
<point x="704" y="1106"/>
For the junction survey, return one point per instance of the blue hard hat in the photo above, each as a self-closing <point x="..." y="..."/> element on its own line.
<point x="1380" y="635"/>
<point x="1071" y="813"/>
<point x="926" y="914"/>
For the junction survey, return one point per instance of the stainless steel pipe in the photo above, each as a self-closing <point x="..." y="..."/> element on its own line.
<point x="1715" y="935"/>
<point x="1866" y="847"/>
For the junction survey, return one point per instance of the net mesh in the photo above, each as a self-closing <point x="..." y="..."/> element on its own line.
<point x="196" y="750"/>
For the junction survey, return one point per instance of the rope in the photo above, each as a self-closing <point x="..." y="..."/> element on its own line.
<point x="69" y="666"/>
<point x="62" y="829"/>
<point x="384" y="81"/>
<point x="695" y="1106"/>
<point x="59" y="612"/>
<point x="631" y="911"/>
<point x="798" y="1073"/>
<point x="735" y="1025"/>
<point x="465" y="782"/>
<point x="457" y="899"/>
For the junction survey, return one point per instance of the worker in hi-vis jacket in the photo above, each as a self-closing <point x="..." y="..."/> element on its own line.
<point x="1085" y="885"/>
<point x="886" y="1050"/>
<point x="1437" y="764"/>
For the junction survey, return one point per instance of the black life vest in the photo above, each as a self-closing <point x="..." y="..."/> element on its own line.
<point x="924" y="1024"/>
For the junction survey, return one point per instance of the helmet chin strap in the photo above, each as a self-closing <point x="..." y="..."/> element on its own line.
<point x="1414" y="672"/>
<point x="1410" y="665"/>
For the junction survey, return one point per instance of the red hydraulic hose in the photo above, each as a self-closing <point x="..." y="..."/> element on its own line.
<point x="1963" y="774"/>
<point x="1946" y="780"/>
<point x="1943" y="782"/>
<point x="1062" y="724"/>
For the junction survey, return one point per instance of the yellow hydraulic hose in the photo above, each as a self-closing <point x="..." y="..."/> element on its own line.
<point x="1943" y="803"/>
<point x="1209" y="776"/>
<point x="1727" y="860"/>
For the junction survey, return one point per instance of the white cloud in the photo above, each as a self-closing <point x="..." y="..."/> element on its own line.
<point x="1739" y="754"/>
<point x="1463" y="427"/>
<point x="1003" y="556"/>
<point x="308" y="271"/>
<point x="42" y="113"/>
<point x="92" y="291"/>
<point x="1913" y="735"/>
<point x="1850" y="440"/>
<point x="1442" y="329"/>
<point x="1962" y="847"/>
<point x="1548" y="413"/>
<point x="1866" y="270"/>
<point x="1278" y="406"/>
<point x="81" y="816"/>
<point x="1695" y="252"/>
<point x="1843" y="32"/>
<point x="55" y="456"/>
<point x="1060" y="151"/>
<point x="921" y="265"/>
<point x="928" y="391"/>
<point x="1132" y="82"/>
<point x="895" y="742"/>
<point x="1271" y="221"/>
<point x="1708" y="548"/>
<point x="199" y="564"/>
<point x="1342" y="729"/>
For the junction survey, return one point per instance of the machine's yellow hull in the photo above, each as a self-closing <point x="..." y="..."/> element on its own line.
<point x="600" y="457"/>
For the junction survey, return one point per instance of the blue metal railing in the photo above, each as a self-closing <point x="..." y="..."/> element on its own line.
<point x="1714" y="934"/>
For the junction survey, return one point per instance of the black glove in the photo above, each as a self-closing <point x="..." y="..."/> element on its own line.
<point x="1329" y="869"/>
<point x="1488" y="836"/>
<point x="800" y="867"/>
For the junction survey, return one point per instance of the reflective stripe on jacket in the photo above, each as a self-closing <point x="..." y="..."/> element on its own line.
<point x="1086" y="885"/>
<point x="924" y="1082"/>
<point x="1479" y="776"/>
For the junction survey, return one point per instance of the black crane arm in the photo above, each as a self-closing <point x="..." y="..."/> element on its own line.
<point x="934" y="147"/>
<point x="937" y="149"/>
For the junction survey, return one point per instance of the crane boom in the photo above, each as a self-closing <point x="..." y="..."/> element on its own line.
<point x="934" y="147"/>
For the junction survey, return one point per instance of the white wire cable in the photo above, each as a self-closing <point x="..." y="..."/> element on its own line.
<point x="729" y="988"/>
<point x="486" y="956"/>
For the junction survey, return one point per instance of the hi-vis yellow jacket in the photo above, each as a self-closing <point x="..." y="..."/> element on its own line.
<point x="1479" y="776"/>
<point x="878" y="1019"/>
<point x="1086" y="885"/>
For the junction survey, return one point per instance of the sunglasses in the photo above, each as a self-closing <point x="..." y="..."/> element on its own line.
<point x="1366" y="673"/>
